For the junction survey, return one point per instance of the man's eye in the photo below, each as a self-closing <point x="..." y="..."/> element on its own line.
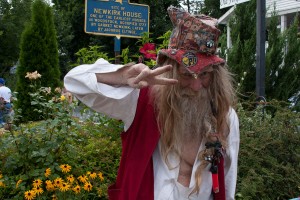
<point x="204" y="74"/>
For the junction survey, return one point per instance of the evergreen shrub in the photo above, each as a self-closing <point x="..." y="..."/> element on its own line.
<point x="269" y="158"/>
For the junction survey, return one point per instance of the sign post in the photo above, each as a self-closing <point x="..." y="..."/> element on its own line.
<point x="117" y="18"/>
<point x="260" y="48"/>
<point x="117" y="48"/>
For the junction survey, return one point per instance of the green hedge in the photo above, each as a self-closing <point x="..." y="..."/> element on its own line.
<point x="269" y="158"/>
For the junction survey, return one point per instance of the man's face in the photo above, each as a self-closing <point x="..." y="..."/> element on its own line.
<point x="193" y="81"/>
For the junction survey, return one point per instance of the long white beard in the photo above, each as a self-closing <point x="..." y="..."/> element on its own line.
<point x="195" y="117"/>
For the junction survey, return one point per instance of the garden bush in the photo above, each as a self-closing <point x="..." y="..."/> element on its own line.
<point x="60" y="157"/>
<point x="269" y="158"/>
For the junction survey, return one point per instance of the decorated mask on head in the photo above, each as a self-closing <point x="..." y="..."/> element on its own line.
<point x="193" y="41"/>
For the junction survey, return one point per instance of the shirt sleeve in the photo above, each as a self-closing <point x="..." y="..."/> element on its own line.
<point x="231" y="156"/>
<point x="118" y="102"/>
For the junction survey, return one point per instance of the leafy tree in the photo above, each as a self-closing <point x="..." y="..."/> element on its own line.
<point x="38" y="53"/>
<point x="72" y="15"/>
<point x="212" y="8"/>
<point x="13" y="16"/>
<point x="65" y="36"/>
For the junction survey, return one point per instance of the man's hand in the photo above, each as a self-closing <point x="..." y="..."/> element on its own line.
<point x="140" y="75"/>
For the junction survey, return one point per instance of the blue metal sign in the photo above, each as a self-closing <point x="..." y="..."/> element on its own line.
<point x="116" y="18"/>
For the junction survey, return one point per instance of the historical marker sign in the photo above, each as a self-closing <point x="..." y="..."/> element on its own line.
<point x="227" y="3"/>
<point x="116" y="18"/>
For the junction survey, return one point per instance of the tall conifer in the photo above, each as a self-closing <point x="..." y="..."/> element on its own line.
<point x="38" y="53"/>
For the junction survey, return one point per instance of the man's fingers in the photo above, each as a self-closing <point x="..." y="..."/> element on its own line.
<point x="161" y="70"/>
<point x="165" y="81"/>
<point x="145" y="73"/>
<point x="151" y="77"/>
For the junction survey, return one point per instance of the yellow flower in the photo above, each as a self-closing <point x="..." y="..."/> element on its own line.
<point x="76" y="189"/>
<point x="58" y="182"/>
<point x="18" y="183"/>
<point x="49" y="185"/>
<point x="48" y="182"/>
<point x="33" y="75"/>
<point x="1" y="176"/>
<point x="29" y="195"/>
<point x="70" y="178"/>
<point x="87" y="186"/>
<point x="2" y="184"/>
<point x="65" y="168"/>
<point x="93" y="175"/>
<point x="83" y="179"/>
<point x="101" y="176"/>
<point x="38" y="190"/>
<point x="62" y="98"/>
<point x="64" y="187"/>
<point x="37" y="183"/>
<point x="48" y="172"/>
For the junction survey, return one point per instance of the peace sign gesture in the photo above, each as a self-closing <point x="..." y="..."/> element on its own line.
<point x="139" y="76"/>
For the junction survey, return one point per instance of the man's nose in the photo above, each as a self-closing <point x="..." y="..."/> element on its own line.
<point x="195" y="84"/>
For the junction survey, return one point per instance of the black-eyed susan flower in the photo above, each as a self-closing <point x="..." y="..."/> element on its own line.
<point x="29" y="195"/>
<point x="88" y="186"/>
<point x="76" y="189"/>
<point x="37" y="183"/>
<point x="65" y="168"/>
<point x="18" y="183"/>
<point x="93" y="175"/>
<point x="82" y="178"/>
<point x="48" y="172"/>
<point x="57" y="182"/>
<point x="49" y="185"/>
<point x="38" y="190"/>
<point x="101" y="176"/>
<point x="71" y="178"/>
<point x="64" y="187"/>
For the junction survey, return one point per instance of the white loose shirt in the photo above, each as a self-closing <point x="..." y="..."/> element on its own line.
<point x="120" y="103"/>
<point x="5" y="93"/>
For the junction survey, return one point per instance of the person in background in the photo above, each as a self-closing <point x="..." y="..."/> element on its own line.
<point x="181" y="132"/>
<point x="5" y="103"/>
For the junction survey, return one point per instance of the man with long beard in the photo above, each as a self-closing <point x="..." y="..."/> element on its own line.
<point x="181" y="133"/>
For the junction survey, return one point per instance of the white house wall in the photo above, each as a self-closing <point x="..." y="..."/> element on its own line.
<point x="282" y="6"/>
